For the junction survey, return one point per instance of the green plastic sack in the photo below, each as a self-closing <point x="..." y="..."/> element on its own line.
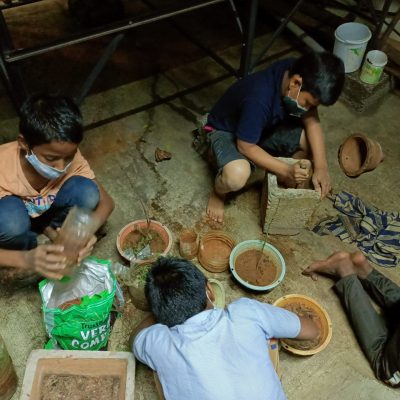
<point x="77" y="310"/>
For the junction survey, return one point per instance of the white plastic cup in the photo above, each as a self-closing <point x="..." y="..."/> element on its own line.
<point x="373" y="66"/>
<point x="351" y="40"/>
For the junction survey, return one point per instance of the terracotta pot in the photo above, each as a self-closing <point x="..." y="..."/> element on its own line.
<point x="214" y="250"/>
<point x="359" y="154"/>
<point x="272" y="255"/>
<point x="219" y="292"/>
<point x="188" y="244"/>
<point x="322" y="319"/>
<point x="135" y="281"/>
<point x="141" y="225"/>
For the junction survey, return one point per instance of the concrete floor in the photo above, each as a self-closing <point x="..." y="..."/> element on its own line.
<point x="175" y="191"/>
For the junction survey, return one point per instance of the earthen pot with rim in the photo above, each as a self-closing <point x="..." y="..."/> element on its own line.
<point x="143" y="224"/>
<point x="214" y="250"/>
<point x="136" y="281"/>
<point x="359" y="154"/>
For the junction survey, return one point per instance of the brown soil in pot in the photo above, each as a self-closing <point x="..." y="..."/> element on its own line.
<point x="256" y="268"/>
<point x="137" y="240"/>
<point x="76" y="387"/>
<point x="303" y="311"/>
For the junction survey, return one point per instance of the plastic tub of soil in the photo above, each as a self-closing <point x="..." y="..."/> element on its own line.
<point x="257" y="265"/>
<point x="143" y="241"/>
<point x="214" y="250"/>
<point x="305" y="306"/>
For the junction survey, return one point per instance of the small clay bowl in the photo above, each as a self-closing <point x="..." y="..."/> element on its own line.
<point x="214" y="250"/>
<point x="155" y="226"/>
<point x="324" y="322"/>
<point x="219" y="292"/>
<point x="270" y="251"/>
<point x="188" y="244"/>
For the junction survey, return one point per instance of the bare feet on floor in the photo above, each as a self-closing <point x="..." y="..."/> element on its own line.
<point x="339" y="265"/>
<point x="215" y="207"/>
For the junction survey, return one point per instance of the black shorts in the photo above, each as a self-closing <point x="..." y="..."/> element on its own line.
<point x="282" y="141"/>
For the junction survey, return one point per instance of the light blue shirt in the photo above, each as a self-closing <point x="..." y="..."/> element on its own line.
<point x="219" y="354"/>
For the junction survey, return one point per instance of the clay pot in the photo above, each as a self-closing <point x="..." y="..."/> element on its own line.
<point x="135" y="281"/>
<point x="259" y="249"/>
<point x="219" y="292"/>
<point x="322" y="320"/>
<point x="188" y="244"/>
<point x="214" y="250"/>
<point x="359" y="154"/>
<point x="142" y="225"/>
<point x="8" y="377"/>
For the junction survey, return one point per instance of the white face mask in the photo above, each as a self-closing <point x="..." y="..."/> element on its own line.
<point x="45" y="170"/>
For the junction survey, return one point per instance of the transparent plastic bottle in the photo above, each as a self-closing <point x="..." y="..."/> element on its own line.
<point x="8" y="377"/>
<point x="74" y="234"/>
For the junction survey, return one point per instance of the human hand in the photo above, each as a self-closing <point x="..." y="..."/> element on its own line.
<point x="47" y="260"/>
<point x="322" y="181"/>
<point x="302" y="171"/>
<point x="87" y="250"/>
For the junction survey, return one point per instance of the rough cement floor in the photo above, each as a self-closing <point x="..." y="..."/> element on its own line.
<point x="122" y="156"/>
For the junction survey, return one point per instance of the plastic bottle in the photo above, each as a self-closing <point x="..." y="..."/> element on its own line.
<point x="8" y="377"/>
<point x="74" y="234"/>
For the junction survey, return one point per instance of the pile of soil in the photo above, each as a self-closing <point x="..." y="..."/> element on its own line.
<point x="303" y="311"/>
<point x="256" y="268"/>
<point x="74" y="387"/>
<point x="137" y="240"/>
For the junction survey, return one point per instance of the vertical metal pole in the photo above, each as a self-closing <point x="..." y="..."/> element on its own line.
<point x="10" y="76"/>
<point x="247" y="45"/>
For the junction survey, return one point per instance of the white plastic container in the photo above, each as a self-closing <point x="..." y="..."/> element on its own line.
<point x="373" y="66"/>
<point x="351" y="40"/>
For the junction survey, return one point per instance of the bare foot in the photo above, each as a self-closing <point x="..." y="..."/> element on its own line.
<point x="362" y="265"/>
<point x="338" y="264"/>
<point x="215" y="207"/>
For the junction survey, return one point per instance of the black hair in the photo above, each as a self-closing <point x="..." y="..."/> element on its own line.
<point x="323" y="75"/>
<point x="45" y="118"/>
<point x="176" y="290"/>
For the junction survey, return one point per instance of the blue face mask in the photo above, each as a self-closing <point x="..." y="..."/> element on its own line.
<point x="293" y="107"/>
<point x="45" y="170"/>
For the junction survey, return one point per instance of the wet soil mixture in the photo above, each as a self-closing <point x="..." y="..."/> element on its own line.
<point x="73" y="387"/>
<point x="303" y="311"/>
<point x="137" y="240"/>
<point x="256" y="268"/>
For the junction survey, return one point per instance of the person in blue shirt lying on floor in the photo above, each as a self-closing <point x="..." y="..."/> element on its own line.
<point x="202" y="352"/>
<point x="268" y="114"/>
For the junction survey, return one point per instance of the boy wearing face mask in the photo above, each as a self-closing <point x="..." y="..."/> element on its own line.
<point x="201" y="352"/>
<point x="42" y="175"/>
<point x="269" y="114"/>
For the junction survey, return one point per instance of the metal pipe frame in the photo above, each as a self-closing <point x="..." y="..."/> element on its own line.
<point x="122" y="26"/>
<point x="9" y="56"/>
